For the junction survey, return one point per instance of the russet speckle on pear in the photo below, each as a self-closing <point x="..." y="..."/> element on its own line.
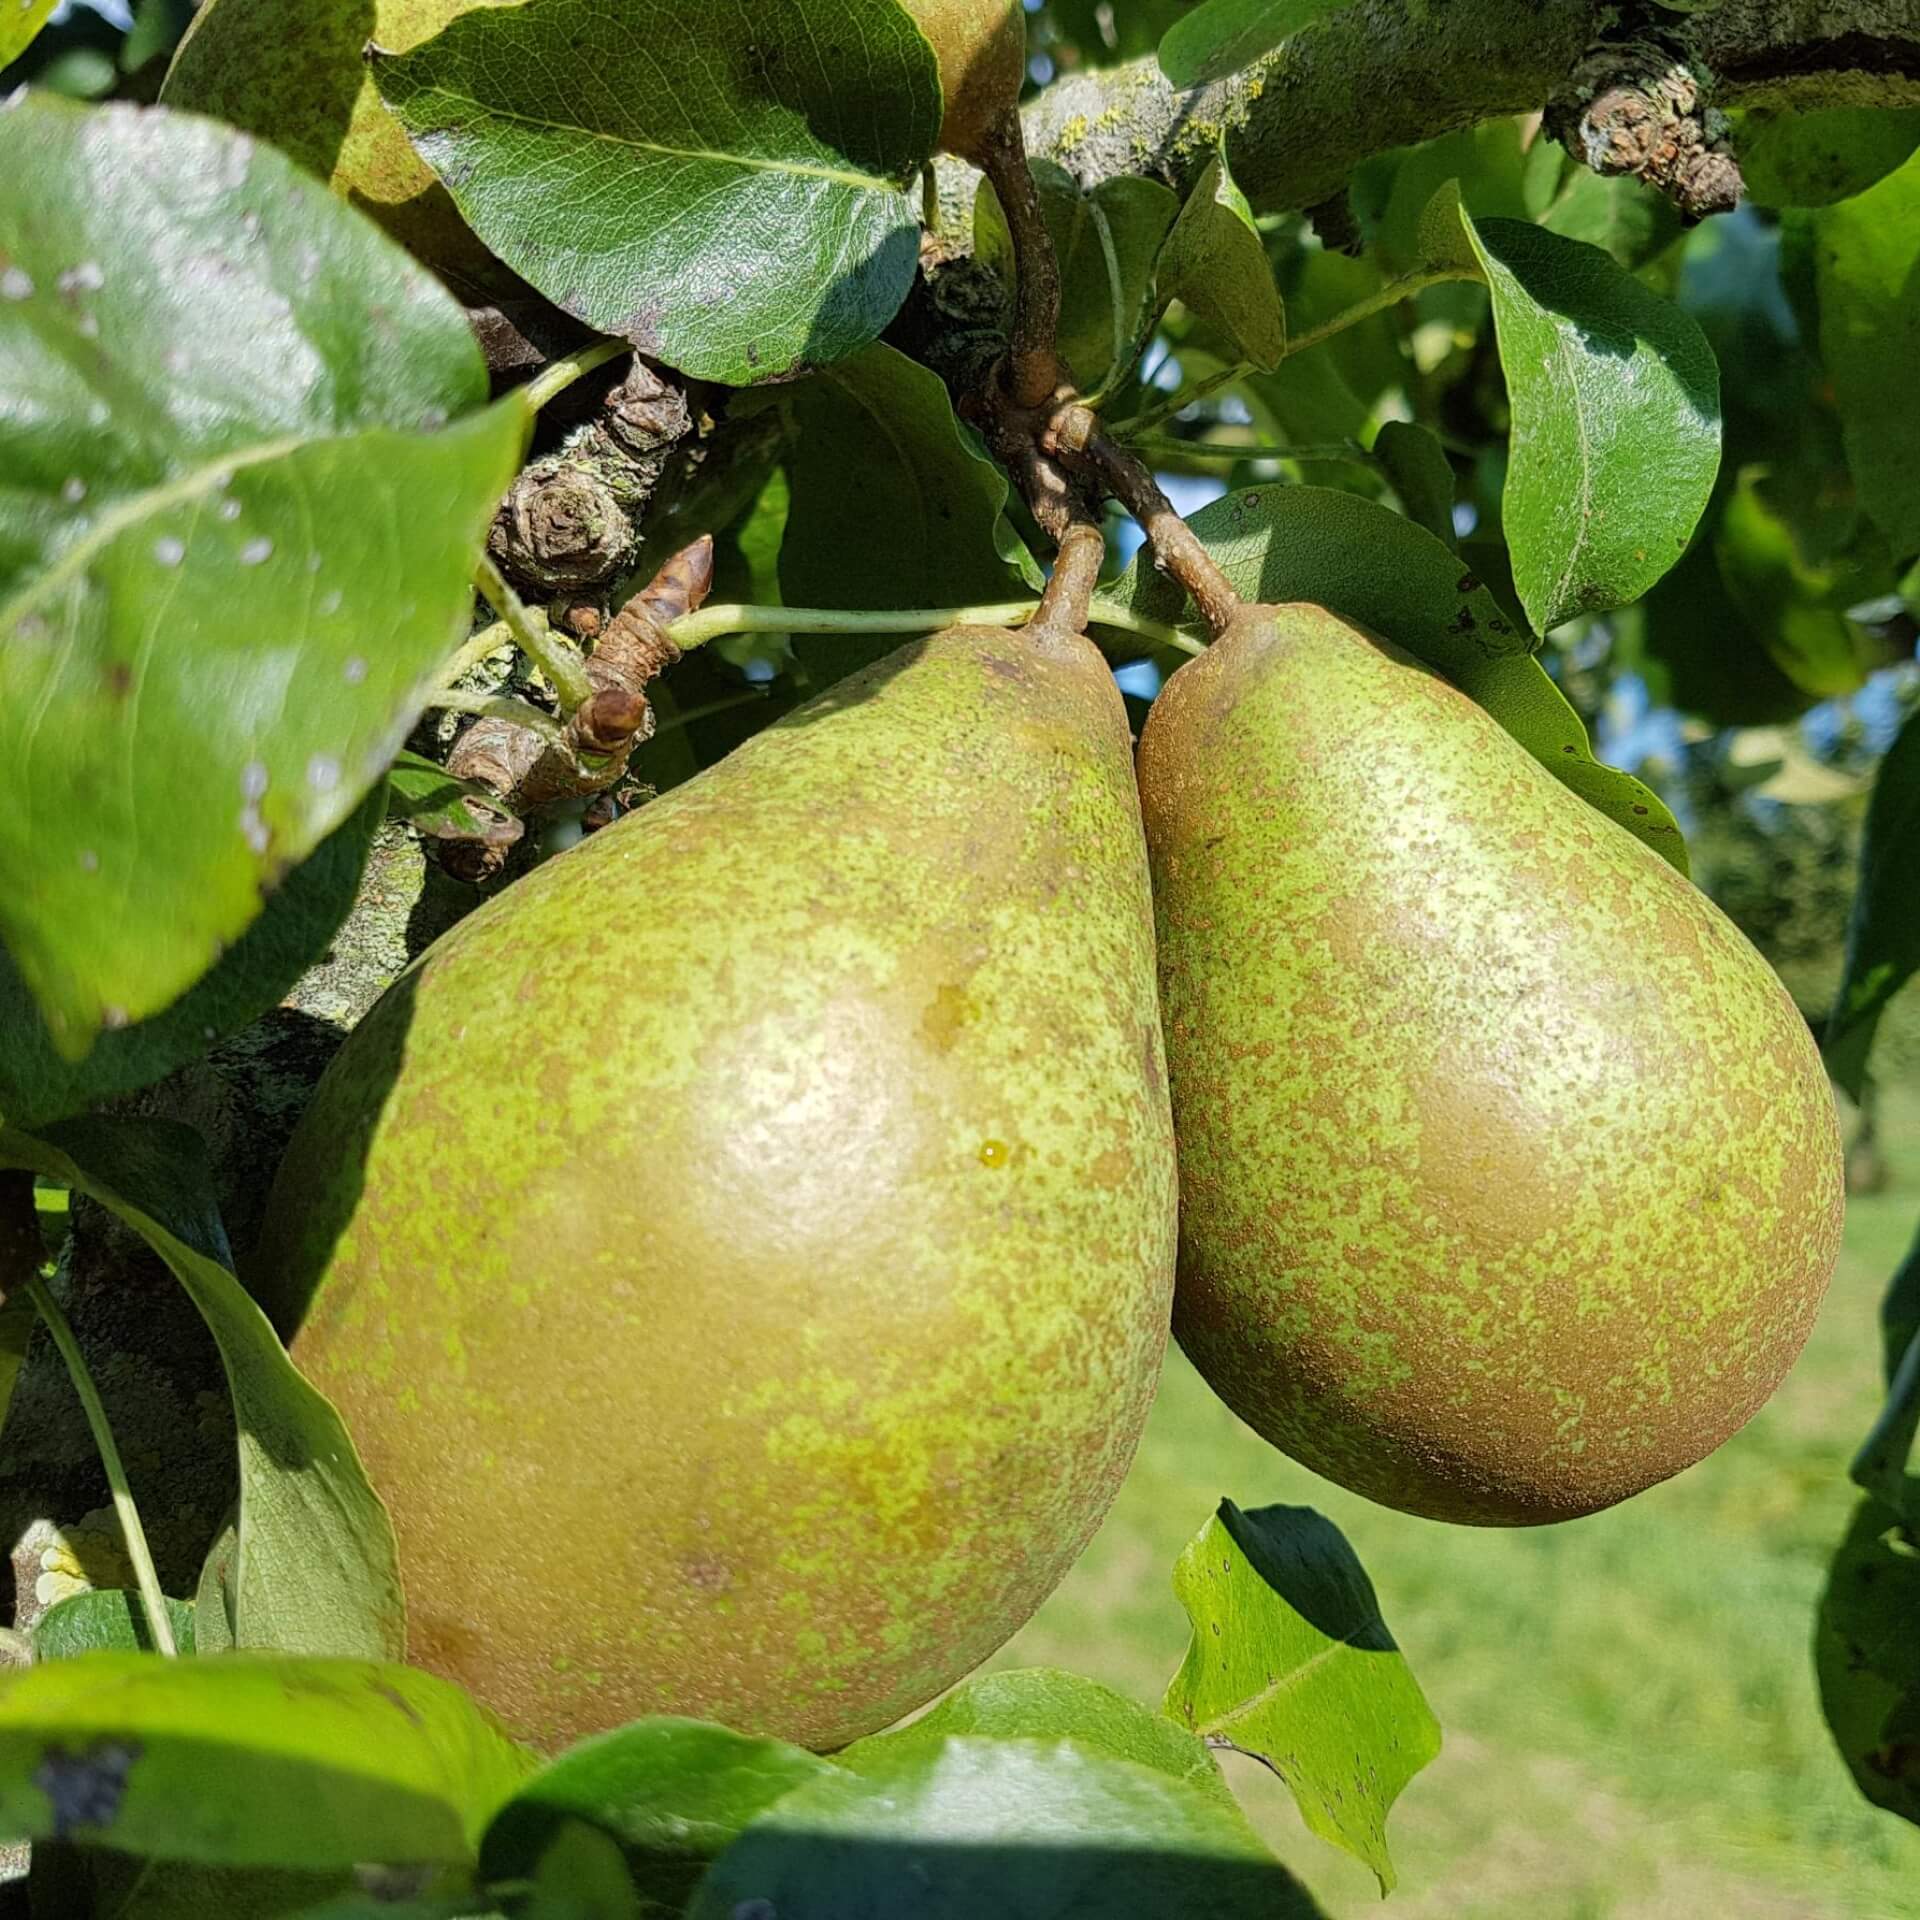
<point x="1510" y="1178"/>
<point x="743" y="1250"/>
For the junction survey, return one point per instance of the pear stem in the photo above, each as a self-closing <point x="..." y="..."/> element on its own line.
<point x="558" y="659"/>
<point x="728" y="616"/>
<point x="1176" y="547"/>
<point x="1068" y="600"/>
<point x="1033" y="364"/>
<point x="19" y="1240"/>
<point x="557" y="377"/>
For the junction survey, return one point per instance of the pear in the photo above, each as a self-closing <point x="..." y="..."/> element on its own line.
<point x="743" y="1250"/>
<point x="1510" y="1180"/>
<point x="982" y="49"/>
<point x="293" y="72"/>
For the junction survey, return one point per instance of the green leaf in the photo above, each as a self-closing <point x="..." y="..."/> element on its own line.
<point x="1633" y="222"/>
<point x="1292" y="1663"/>
<point x="726" y="187"/>
<point x="1042" y="1703"/>
<point x="1215" y="262"/>
<point x="1045" y="1830"/>
<point x="38" y="1085"/>
<point x="315" y="1570"/>
<point x="122" y="1886"/>
<point x="1790" y="158"/>
<point x="213" y="1595"/>
<point x="17" y="1322"/>
<point x="442" y="806"/>
<point x="1863" y="255"/>
<point x="1867" y="1656"/>
<point x="582" y="1875"/>
<point x="1883" y="932"/>
<point x="1616" y="417"/>
<point x="107" y="1620"/>
<point x="19" y="23"/>
<point x="1394" y="195"/>
<point x="1106" y="242"/>
<point x="1378" y="569"/>
<point x="1900" y="1312"/>
<point x="924" y="526"/>
<point x="213" y="634"/>
<point x="674" y="1794"/>
<point x="1418" y="470"/>
<point x="251" y="1760"/>
<point x="1220" y="37"/>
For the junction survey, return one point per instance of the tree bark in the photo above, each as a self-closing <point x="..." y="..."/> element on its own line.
<point x="1386" y="74"/>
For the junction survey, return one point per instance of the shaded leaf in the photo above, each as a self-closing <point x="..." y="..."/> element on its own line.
<point x="1880" y="1467"/>
<point x="1791" y="158"/>
<point x="1378" y="569"/>
<point x="725" y="187"/>
<point x="122" y="1886"/>
<point x="17" y="1322"/>
<point x="1292" y="1663"/>
<point x="1220" y="37"/>
<point x="673" y="1794"/>
<point x="315" y="1569"/>
<point x="1900" y="1312"/>
<point x="1883" y="931"/>
<point x="923" y="527"/>
<point x="1393" y="195"/>
<point x="38" y="1085"/>
<point x="1216" y="263"/>
<point x="231" y="550"/>
<point x="1418" y="470"/>
<point x="1042" y="1703"/>
<point x="213" y="1595"/>
<point x="251" y="1760"/>
<point x="1868" y="289"/>
<point x="1616" y="417"/>
<point x="1867" y="1656"/>
<point x="1041" y="1829"/>
<point x="106" y="1620"/>
<point x="443" y="806"/>
<point x="1615" y="212"/>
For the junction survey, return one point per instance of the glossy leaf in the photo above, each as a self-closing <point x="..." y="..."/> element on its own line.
<point x="1378" y="569"/>
<point x="39" y="1085"/>
<point x="1867" y="1656"/>
<point x="1418" y="470"/>
<point x="213" y="631"/>
<point x="924" y="526"/>
<point x="315" y="1570"/>
<point x="20" y="21"/>
<point x="726" y="187"/>
<point x="1883" y="932"/>
<point x="1292" y="1663"/>
<point x="1863" y="259"/>
<point x="1616" y="417"/>
<point x="1216" y="263"/>
<point x="250" y="1760"/>
<point x="673" y="1794"/>
<point x="1043" y="1829"/>
<point x="107" y="1620"/>
<point x="1220" y="37"/>
<point x="1791" y="158"/>
<point x="1042" y="1703"/>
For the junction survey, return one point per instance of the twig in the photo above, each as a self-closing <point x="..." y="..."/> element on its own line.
<point x="19" y="1234"/>
<point x="1176" y="548"/>
<point x="561" y="374"/>
<point x="500" y="706"/>
<point x="565" y="670"/>
<point x="1033" y="364"/>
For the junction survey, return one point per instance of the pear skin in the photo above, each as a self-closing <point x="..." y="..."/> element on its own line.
<point x="1510" y="1178"/>
<point x="743" y="1250"/>
<point x="982" y="49"/>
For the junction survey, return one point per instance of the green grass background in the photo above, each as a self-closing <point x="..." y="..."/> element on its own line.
<point x="1632" y="1727"/>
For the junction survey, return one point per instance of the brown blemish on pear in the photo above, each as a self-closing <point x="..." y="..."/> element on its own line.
<point x="1510" y="1179"/>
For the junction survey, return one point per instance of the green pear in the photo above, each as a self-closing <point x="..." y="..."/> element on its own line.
<point x="743" y="1250"/>
<point x="293" y="72"/>
<point x="1510" y="1180"/>
<point x="982" y="49"/>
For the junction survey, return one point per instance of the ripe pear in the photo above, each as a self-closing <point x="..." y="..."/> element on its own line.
<point x="1510" y="1180"/>
<point x="743" y="1250"/>
<point x="982" y="49"/>
<point x="293" y="72"/>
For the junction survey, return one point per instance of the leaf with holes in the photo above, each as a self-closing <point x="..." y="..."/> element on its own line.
<point x="726" y="187"/>
<point x="1378" y="569"/>
<point x="251" y="1761"/>
<point x="1883" y="934"/>
<point x="1220" y="37"/>
<point x="1292" y="1663"/>
<point x="315" y="1569"/>
<point x="235" y="537"/>
<point x="1216" y="263"/>
<point x="1616" y="413"/>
